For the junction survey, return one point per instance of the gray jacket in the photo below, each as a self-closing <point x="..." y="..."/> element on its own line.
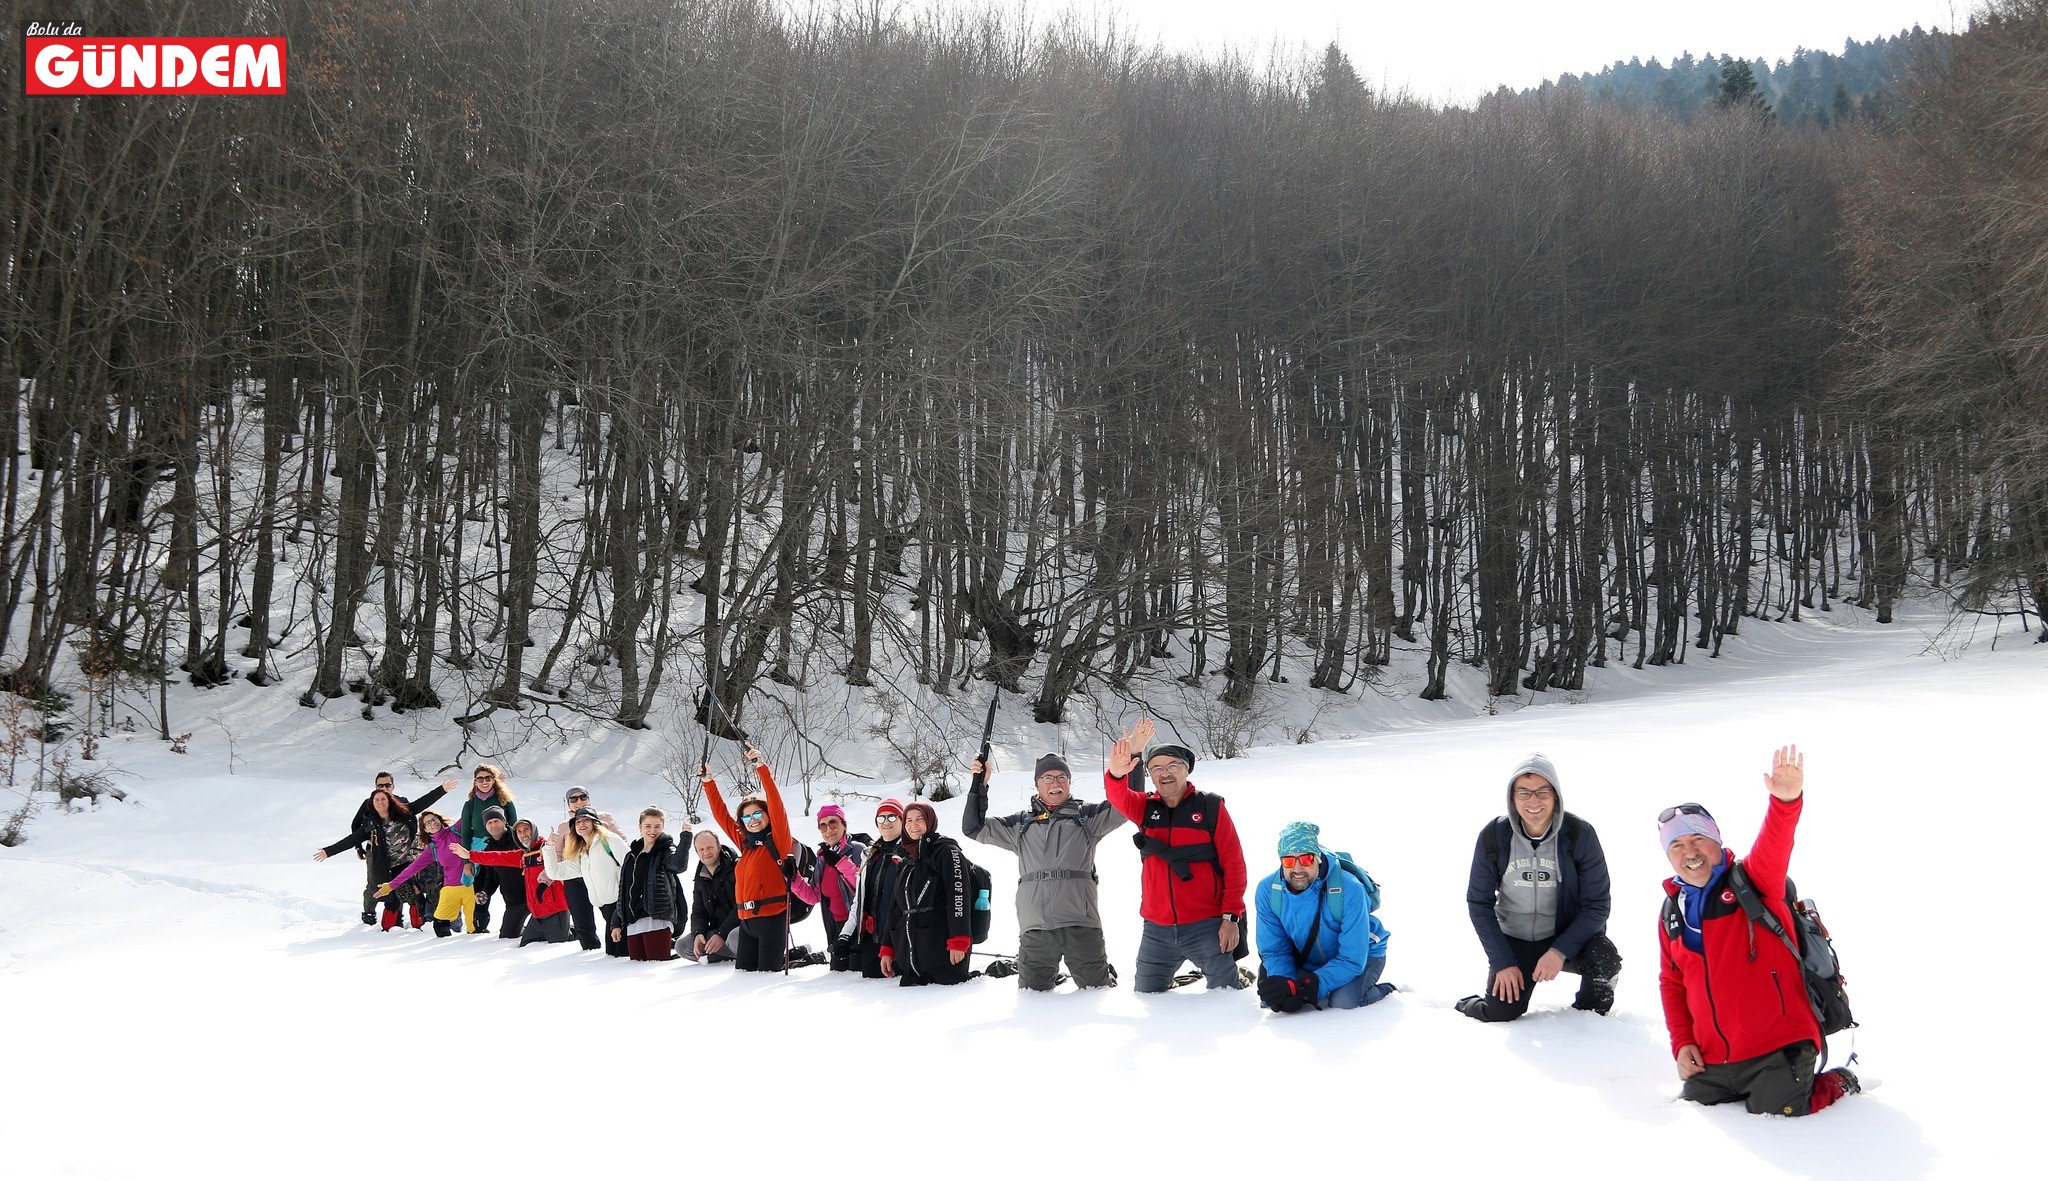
<point x="1055" y="856"/>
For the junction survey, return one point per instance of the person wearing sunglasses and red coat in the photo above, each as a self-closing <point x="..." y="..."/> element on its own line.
<point x="1735" y="1003"/>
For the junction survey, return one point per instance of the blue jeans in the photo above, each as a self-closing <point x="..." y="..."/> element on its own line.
<point x="1163" y="949"/>
<point x="1362" y="991"/>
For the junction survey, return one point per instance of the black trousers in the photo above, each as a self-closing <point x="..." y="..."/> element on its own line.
<point x="1596" y="965"/>
<point x="761" y="943"/>
<point x="582" y="916"/>
<point x="612" y="946"/>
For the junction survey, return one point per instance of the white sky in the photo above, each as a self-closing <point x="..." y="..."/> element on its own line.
<point x="1456" y="50"/>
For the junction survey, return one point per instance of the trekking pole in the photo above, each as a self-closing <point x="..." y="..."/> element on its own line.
<point x="988" y="728"/>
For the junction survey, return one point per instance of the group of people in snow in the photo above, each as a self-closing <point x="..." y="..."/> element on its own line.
<point x="899" y="904"/>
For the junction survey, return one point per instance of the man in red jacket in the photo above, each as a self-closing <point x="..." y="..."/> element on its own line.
<point x="1192" y="891"/>
<point x="1734" y="999"/>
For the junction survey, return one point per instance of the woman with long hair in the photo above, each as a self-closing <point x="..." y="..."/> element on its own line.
<point x="932" y="930"/>
<point x="762" y="834"/>
<point x="592" y="854"/>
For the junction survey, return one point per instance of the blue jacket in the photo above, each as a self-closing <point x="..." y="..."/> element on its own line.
<point x="1342" y="944"/>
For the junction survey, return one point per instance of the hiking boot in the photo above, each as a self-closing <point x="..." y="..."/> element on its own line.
<point x="369" y="918"/>
<point x="1595" y="996"/>
<point x="1851" y="1085"/>
<point x="1473" y="1006"/>
<point x="390" y="918"/>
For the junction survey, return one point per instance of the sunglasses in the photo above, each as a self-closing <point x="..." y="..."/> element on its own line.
<point x="888" y="818"/>
<point x="1665" y="816"/>
<point x="385" y="786"/>
<point x="750" y="817"/>
<point x="1298" y="861"/>
<point x="579" y="799"/>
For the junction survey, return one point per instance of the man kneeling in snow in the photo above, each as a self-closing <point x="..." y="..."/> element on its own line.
<point x="1319" y="944"/>
<point x="1752" y="1036"/>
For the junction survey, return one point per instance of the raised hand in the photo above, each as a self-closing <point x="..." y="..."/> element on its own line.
<point x="1787" y="776"/>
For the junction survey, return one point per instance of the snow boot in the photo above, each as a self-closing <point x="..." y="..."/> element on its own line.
<point x="443" y="928"/>
<point x="369" y="918"/>
<point x="390" y="917"/>
<point x="418" y="916"/>
<point x="1595" y="996"/>
<point x="1831" y="1085"/>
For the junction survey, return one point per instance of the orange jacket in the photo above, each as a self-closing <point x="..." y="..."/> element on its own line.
<point x="757" y="885"/>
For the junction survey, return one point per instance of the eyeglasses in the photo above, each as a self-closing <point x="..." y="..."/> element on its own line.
<point x="1665" y="816"/>
<point x="1165" y="765"/>
<point x="482" y="778"/>
<point x="579" y="799"/>
<point x="1053" y="777"/>
<point x="381" y="786"/>
<point x="1298" y="861"/>
<point x="1524" y="794"/>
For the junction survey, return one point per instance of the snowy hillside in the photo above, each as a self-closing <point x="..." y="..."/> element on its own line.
<point x="187" y="993"/>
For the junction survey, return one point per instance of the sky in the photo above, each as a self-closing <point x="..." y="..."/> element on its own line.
<point x="1453" y="51"/>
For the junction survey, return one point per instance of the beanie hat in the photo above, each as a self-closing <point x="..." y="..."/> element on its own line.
<point x="494" y="812"/>
<point x="831" y="812"/>
<point x="930" y="814"/>
<point x="889" y="807"/>
<point x="1172" y="750"/>
<point x="1300" y="837"/>
<point x="1686" y="819"/>
<point x="1050" y="762"/>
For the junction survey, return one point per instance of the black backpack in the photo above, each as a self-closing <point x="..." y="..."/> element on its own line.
<point x="978" y="881"/>
<point x="801" y="864"/>
<point x="1826" y="990"/>
<point x="1808" y="941"/>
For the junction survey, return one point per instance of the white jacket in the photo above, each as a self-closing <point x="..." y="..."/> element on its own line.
<point x="598" y="865"/>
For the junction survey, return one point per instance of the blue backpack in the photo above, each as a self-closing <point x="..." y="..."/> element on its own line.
<point x="1372" y="888"/>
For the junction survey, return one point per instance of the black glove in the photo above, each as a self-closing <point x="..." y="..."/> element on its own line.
<point x="1278" y="994"/>
<point x="1308" y="988"/>
<point x="843" y="946"/>
<point x="829" y="856"/>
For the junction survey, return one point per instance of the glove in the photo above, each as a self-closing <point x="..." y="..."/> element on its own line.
<point x="843" y="946"/>
<point x="829" y="856"/>
<point x="1308" y="988"/>
<point x="1282" y="994"/>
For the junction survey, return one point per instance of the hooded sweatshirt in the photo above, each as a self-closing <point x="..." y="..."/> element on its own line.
<point x="1576" y="900"/>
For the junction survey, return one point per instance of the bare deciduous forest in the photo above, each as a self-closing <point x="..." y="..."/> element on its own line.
<point x="674" y="339"/>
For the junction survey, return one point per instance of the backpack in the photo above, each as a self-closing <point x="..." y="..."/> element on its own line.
<point x="979" y="881"/>
<point x="801" y="864"/>
<point x="1826" y="990"/>
<point x="1372" y="888"/>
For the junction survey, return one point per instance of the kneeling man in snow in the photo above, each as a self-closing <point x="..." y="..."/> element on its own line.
<point x="1319" y="944"/>
<point x="1752" y="1036"/>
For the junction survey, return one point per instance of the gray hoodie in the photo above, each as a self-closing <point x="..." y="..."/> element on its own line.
<point x="1527" y="905"/>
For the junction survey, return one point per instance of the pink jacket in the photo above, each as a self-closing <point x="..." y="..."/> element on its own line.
<point x="835" y="883"/>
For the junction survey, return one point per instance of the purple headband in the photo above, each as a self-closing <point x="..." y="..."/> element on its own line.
<point x="1687" y="819"/>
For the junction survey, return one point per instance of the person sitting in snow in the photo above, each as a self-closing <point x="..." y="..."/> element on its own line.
<point x="1538" y="897"/>
<point x="714" y="913"/>
<point x="547" y="907"/>
<point x="1735" y="1004"/>
<point x="1320" y="945"/>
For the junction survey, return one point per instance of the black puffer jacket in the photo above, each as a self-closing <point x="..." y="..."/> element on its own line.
<point x="650" y="883"/>
<point x="716" y="912"/>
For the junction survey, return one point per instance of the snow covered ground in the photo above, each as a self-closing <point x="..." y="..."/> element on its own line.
<point x="185" y="992"/>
